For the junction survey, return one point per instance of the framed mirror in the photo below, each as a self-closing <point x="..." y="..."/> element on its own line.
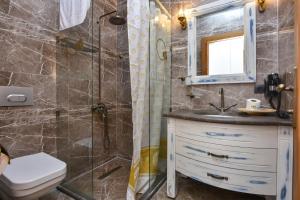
<point x="222" y="43"/>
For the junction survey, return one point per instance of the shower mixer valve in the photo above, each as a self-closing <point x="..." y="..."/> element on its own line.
<point x="100" y="108"/>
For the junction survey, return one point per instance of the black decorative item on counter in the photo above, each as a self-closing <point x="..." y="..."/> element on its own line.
<point x="273" y="89"/>
<point x="271" y="85"/>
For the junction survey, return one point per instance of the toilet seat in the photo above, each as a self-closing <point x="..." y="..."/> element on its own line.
<point x="31" y="174"/>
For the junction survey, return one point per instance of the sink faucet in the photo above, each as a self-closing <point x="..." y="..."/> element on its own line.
<point x="222" y="108"/>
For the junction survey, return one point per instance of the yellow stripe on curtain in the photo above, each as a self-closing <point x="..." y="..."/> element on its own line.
<point x="149" y="160"/>
<point x="133" y="175"/>
<point x="148" y="165"/>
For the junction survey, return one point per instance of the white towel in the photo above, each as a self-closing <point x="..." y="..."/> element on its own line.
<point x="72" y="12"/>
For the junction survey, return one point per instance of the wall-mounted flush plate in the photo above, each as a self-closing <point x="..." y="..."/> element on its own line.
<point x="16" y="96"/>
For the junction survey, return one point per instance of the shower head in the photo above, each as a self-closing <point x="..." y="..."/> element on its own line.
<point x="117" y="20"/>
<point x="114" y="20"/>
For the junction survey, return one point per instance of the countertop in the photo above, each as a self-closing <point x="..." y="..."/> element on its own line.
<point x="235" y="118"/>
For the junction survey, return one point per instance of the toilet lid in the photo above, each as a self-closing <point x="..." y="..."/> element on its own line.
<point x="30" y="171"/>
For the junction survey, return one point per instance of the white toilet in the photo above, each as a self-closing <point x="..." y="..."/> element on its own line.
<point x="30" y="177"/>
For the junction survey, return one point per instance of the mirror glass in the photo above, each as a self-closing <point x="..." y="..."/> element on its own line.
<point x="220" y="42"/>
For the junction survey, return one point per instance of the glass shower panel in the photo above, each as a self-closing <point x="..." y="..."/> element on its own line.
<point x="94" y="112"/>
<point x="160" y="77"/>
<point x="74" y="78"/>
<point x="111" y="166"/>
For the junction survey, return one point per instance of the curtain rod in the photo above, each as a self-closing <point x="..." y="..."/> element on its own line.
<point x="163" y="8"/>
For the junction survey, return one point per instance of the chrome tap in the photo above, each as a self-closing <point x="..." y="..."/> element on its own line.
<point x="222" y="108"/>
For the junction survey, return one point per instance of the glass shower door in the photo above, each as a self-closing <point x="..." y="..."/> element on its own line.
<point x="160" y="77"/>
<point x="93" y="70"/>
<point x="94" y="105"/>
<point x="74" y="85"/>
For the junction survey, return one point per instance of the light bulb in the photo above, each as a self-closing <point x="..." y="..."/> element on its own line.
<point x="181" y="13"/>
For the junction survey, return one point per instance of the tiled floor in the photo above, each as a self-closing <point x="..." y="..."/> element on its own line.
<point x="189" y="189"/>
<point x="111" y="187"/>
<point x="56" y="195"/>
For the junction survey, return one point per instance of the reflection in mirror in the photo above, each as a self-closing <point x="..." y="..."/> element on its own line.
<point x="220" y="42"/>
<point x="222" y="54"/>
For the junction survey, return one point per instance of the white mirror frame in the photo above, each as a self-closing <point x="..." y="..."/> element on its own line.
<point x="249" y="75"/>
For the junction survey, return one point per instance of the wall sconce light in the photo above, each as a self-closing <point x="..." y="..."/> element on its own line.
<point x="261" y="5"/>
<point x="182" y="19"/>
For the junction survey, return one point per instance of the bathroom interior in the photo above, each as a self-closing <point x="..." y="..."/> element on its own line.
<point x="149" y="99"/>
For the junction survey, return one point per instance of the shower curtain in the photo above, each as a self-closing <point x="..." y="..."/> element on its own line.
<point x="145" y="150"/>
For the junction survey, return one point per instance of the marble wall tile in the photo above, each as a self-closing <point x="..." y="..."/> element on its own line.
<point x="124" y="132"/>
<point x="28" y="59"/>
<point x="124" y="110"/>
<point x="286" y="56"/>
<point x="24" y="130"/>
<point x="286" y="51"/>
<point x="4" y="6"/>
<point x="26" y="55"/>
<point x="44" y="94"/>
<point x="77" y="85"/>
<point x="65" y="83"/>
<point x="5" y="78"/>
<point x="79" y="92"/>
<point x="286" y="13"/>
<point x="28" y="10"/>
<point x="266" y="55"/>
<point x="267" y="22"/>
<point x="75" y="88"/>
<point x="272" y="56"/>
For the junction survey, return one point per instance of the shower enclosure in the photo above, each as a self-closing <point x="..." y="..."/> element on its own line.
<point x="94" y="125"/>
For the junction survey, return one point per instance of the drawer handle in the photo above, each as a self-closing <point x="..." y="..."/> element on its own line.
<point x="223" y="134"/>
<point x="218" y="156"/>
<point x="217" y="177"/>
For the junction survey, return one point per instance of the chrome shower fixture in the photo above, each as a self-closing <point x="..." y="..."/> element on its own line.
<point x="117" y="20"/>
<point x="114" y="20"/>
<point x="102" y="109"/>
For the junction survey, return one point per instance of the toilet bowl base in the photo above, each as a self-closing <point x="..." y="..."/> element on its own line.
<point x="31" y="194"/>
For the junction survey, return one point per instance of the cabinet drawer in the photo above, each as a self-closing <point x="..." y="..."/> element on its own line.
<point x="262" y="183"/>
<point x="228" y="156"/>
<point x="228" y="134"/>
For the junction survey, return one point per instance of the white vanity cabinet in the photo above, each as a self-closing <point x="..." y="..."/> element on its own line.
<point x="254" y="159"/>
